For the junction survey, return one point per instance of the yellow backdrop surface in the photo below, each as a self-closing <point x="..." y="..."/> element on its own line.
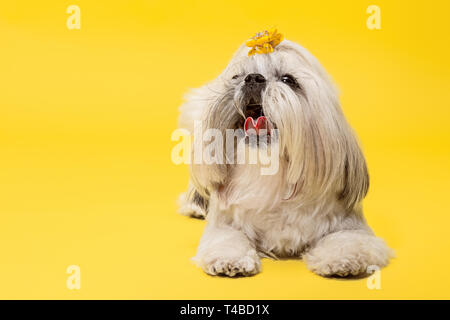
<point x="86" y="117"/>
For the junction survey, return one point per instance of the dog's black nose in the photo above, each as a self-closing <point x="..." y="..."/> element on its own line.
<point x="254" y="78"/>
<point x="252" y="89"/>
<point x="254" y="85"/>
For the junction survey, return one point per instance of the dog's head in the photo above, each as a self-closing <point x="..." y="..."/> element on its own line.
<point x="287" y="90"/>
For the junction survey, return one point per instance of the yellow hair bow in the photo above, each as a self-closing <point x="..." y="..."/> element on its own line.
<point x="264" y="42"/>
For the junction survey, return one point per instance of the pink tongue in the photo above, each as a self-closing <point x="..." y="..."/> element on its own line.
<point x="260" y="124"/>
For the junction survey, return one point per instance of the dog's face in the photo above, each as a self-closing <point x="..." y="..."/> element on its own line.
<point x="272" y="85"/>
<point x="288" y="90"/>
<point x="256" y="80"/>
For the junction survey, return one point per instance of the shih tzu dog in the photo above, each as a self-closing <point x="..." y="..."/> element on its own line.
<point x="277" y="98"/>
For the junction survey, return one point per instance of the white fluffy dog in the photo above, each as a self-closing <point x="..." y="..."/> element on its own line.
<point x="311" y="206"/>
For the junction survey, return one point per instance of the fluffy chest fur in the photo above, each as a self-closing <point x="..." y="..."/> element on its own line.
<point x="261" y="207"/>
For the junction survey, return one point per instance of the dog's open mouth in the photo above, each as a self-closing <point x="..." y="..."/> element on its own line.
<point x="255" y="120"/>
<point x="259" y="126"/>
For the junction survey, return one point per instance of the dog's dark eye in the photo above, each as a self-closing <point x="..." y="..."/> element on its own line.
<point x="289" y="80"/>
<point x="235" y="77"/>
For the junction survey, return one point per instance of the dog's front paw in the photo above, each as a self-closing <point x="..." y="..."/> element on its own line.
<point x="340" y="268"/>
<point x="347" y="253"/>
<point x="247" y="265"/>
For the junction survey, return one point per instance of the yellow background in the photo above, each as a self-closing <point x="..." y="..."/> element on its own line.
<point x="86" y="117"/>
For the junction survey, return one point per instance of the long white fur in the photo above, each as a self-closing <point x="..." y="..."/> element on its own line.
<point x="312" y="206"/>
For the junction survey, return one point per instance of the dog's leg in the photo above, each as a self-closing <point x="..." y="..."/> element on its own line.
<point x="226" y="251"/>
<point x="192" y="204"/>
<point x="347" y="252"/>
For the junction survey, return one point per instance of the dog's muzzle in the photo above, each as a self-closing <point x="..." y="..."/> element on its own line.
<point x="252" y="90"/>
<point x="255" y="122"/>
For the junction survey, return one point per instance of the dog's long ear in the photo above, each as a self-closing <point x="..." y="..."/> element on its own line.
<point x="206" y="114"/>
<point x="323" y="152"/>
<point x="325" y="157"/>
<point x="193" y="118"/>
<point x="210" y="106"/>
<point x="355" y="177"/>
